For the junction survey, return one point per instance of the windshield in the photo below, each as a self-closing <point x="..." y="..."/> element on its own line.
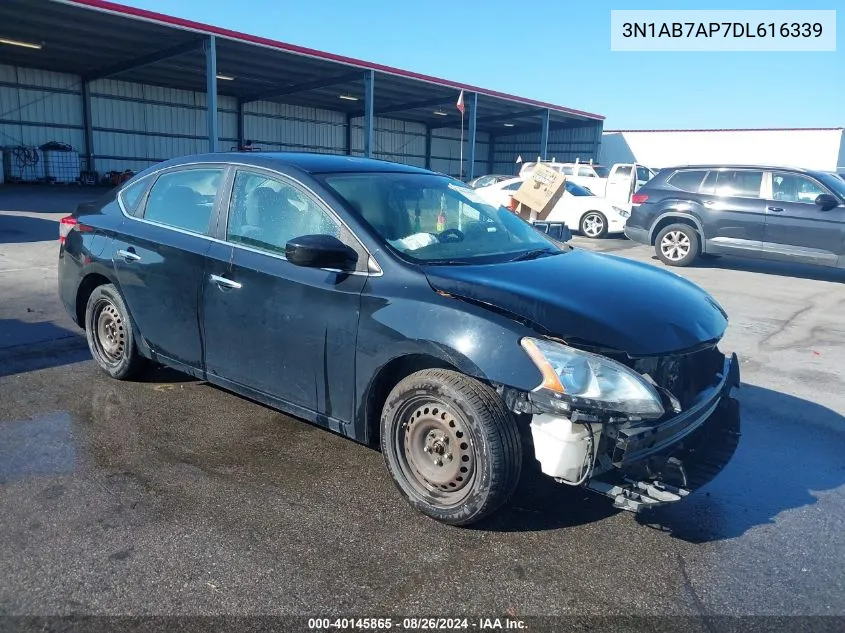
<point x="436" y="219"/>
<point x="835" y="183"/>
<point x="576" y="190"/>
<point x="602" y="172"/>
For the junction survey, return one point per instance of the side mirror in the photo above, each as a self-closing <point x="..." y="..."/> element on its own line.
<point x="827" y="201"/>
<point x="320" y="251"/>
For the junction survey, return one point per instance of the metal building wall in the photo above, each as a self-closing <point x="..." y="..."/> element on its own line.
<point x="565" y="145"/>
<point x="394" y="140"/>
<point x="38" y="106"/>
<point x="404" y="142"/>
<point x="137" y="125"/>
<point x="446" y="152"/>
<point x="283" y="127"/>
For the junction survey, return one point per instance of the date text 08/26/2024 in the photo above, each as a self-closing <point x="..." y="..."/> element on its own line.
<point x="416" y="624"/>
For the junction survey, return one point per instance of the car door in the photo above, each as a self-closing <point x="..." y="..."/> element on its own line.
<point x="620" y="183"/>
<point x="643" y="175"/>
<point x="733" y="212"/>
<point x="797" y="228"/>
<point x="159" y="260"/>
<point x="271" y="327"/>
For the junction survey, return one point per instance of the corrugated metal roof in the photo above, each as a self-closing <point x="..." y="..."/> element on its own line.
<point x="200" y="27"/>
<point x="88" y="37"/>
<point x="739" y="129"/>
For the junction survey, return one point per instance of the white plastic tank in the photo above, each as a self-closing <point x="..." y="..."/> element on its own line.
<point x="23" y="164"/>
<point x="61" y="165"/>
<point x="562" y="447"/>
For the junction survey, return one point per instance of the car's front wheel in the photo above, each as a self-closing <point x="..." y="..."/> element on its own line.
<point x="677" y="245"/>
<point x="594" y="225"/>
<point x="451" y="446"/>
<point x="108" y="328"/>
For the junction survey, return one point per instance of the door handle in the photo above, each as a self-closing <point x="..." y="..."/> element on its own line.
<point x="129" y="256"/>
<point x="776" y="209"/>
<point x="222" y="282"/>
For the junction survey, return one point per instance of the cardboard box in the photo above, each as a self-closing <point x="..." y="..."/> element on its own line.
<point x="539" y="193"/>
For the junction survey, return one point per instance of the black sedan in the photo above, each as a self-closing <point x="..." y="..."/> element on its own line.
<point x="392" y="305"/>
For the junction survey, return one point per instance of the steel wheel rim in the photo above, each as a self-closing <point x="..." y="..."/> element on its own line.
<point x="427" y="435"/>
<point x="109" y="333"/>
<point x="593" y="225"/>
<point x="675" y="245"/>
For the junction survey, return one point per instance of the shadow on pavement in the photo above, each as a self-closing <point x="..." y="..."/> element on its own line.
<point x="18" y="229"/>
<point x="26" y="346"/>
<point x="765" y="267"/>
<point x="29" y="347"/>
<point x="789" y="455"/>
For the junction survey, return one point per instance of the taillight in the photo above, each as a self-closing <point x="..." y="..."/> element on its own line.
<point x="66" y="224"/>
<point x="639" y="198"/>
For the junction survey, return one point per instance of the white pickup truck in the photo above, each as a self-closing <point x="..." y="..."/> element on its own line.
<point x="617" y="184"/>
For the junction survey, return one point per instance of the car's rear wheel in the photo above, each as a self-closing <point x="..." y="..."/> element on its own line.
<point x="108" y="328"/>
<point x="594" y="225"/>
<point x="677" y="245"/>
<point x="450" y="445"/>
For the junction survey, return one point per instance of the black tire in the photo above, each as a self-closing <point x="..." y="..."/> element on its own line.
<point x="593" y="225"/>
<point x="108" y="328"/>
<point x="677" y="245"/>
<point x="437" y="414"/>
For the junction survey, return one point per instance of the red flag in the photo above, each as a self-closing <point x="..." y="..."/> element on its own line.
<point x="461" y="102"/>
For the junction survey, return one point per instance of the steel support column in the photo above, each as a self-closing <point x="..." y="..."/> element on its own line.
<point x="349" y="135"/>
<point x="473" y="116"/>
<point x="491" y="152"/>
<point x="240" y="115"/>
<point x="544" y="136"/>
<point x="428" y="147"/>
<point x="211" y="90"/>
<point x="89" y="128"/>
<point x="597" y="141"/>
<point x="369" y="99"/>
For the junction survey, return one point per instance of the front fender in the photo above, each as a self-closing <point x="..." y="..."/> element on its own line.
<point x="474" y="340"/>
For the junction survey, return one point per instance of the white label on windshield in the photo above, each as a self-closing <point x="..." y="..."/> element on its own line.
<point x="469" y="194"/>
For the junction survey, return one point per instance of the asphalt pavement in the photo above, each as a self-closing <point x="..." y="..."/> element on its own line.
<point x="170" y="496"/>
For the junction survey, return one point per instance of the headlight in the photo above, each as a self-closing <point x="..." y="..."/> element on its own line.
<point x="592" y="381"/>
<point x="623" y="212"/>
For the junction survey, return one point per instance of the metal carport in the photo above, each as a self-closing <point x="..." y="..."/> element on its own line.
<point x="94" y="40"/>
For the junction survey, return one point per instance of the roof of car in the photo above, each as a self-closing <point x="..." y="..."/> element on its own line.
<point x="744" y="166"/>
<point x="310" y="163"/>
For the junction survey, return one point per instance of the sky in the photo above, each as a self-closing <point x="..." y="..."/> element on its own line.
<point x="507" y="46"/>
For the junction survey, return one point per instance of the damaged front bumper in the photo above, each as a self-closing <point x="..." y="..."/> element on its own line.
<point x="645" y="464"/>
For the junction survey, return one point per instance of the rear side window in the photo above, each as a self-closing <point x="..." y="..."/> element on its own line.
<point x="184" y="199"/>
<point x="586" y="171"/>
<point x="623" y="171"/>
<point x="643" y="174"/>
<point x="131" y="195"/>
<point x="733" y="183"/>
<point x="687" y="179"/>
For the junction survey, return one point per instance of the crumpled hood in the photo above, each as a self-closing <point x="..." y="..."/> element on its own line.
<point x="594" y="299"/>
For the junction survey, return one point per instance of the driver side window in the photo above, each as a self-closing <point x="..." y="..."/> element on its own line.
<point x="789" y="187"/>
<point x="267" y="212"/>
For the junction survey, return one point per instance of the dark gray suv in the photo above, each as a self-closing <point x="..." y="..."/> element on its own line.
<point x="774" y="213"/>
